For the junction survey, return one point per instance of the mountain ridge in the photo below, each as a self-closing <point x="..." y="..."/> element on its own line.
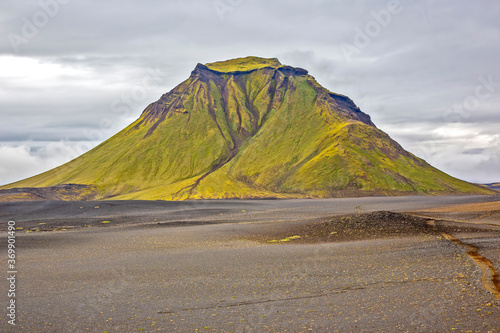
<point x="250" y="128"/>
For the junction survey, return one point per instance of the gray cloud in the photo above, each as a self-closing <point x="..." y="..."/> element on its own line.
<point x="411" y="72"/>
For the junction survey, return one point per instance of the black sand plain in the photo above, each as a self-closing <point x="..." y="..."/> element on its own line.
<point x="332" y="265"/>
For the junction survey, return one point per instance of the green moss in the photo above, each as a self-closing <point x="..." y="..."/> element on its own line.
<point x="243" y="64"/>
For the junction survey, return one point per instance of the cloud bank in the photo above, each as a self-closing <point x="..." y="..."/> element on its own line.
<point x="427" y="72"/>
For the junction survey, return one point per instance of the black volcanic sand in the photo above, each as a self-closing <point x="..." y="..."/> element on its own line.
<point x="374" y="225"/>
<point x="358" y="266"/>
<point x="50" y="215"/>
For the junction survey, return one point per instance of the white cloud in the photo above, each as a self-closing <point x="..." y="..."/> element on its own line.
<point x="464" y="150"/>
<point x="17" y="163"/>
<point x="25" y="160"/>
<point x="481" y="165"/>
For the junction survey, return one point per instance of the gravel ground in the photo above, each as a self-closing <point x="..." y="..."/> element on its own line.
<point x="209" y="266"/>
<point x="49" y="215"/>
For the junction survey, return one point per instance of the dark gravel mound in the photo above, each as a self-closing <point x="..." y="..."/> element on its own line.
<point x="373" y="225"/>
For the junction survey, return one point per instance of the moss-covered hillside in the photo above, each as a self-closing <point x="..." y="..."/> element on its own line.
<point x="248" y="128"/>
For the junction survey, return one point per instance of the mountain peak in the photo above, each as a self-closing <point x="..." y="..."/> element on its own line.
<point x="247" y="65"/>
<point x="243" y="64"/>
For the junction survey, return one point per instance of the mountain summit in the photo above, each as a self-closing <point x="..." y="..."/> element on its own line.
<point x="249" y="128"/>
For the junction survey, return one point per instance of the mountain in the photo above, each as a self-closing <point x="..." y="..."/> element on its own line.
<point x="246" y="128"/>
<point x="495" y="186"/>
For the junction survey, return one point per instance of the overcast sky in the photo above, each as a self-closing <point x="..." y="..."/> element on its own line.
<point x="73" y="73"/>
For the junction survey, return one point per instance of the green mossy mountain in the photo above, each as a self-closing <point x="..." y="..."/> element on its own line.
<point x="250" y="128"/>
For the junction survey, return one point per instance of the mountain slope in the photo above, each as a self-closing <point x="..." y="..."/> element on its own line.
<point x="250" y="127"/>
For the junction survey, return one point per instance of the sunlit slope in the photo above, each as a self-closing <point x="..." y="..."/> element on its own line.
<point x="246" y="128"/>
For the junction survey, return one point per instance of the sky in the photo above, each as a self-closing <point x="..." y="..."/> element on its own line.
<point x="73" y="73"/>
